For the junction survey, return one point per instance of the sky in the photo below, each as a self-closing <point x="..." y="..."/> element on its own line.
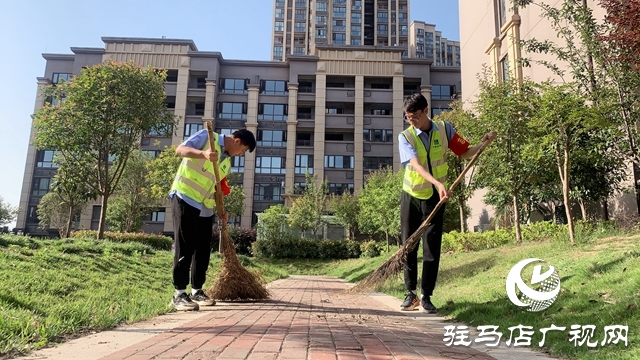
<point x="42" y="26"/>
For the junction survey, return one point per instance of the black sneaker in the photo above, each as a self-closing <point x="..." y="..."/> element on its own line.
<point x="183" y="303"/>
<point x="410" y="302"/>
<point x="202" y="299"/>
<point x="427" y="305"/>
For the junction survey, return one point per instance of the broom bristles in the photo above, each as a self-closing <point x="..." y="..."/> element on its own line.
<point x="234" y="281"/>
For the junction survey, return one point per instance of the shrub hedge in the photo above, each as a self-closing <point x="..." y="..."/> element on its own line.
<point x="242" y="239"/>
<point x="291" y="248"/>
<point x="159" y="242"/>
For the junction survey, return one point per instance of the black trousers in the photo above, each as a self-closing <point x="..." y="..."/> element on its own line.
<point x="413" y="212"/>
<point x="192" y="235"/>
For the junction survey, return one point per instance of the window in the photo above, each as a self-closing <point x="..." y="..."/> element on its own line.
<point x="339" y="39"/>
<point x="275" y="112"/>
<point x="225" y="131"/>
<point x="279" y="13"/>
<point x="299" y="26"/>
<point x="321" y="20"/>
<point x="172" y="76"/>
<point x="356" y="18"/>
<point x="155" y="216"/>
<point x="441" y="92"/>
<point x="305" y="87"/>
<point x="32" y="215"/>
<point x="303" y="139"/>
<point x="403" y="30"/>
<point x="339" y="189"/>
<point x="321" y="6"/>
<point x="356" y="30"/>
<point x="59" y="78"/>
<point x="41" y="186"/>
<point x="270" y="165"/>
<point x="190" y="129"/>
<point x="299" y="187"/>
<point x="383" y="16"/>
<point x="339" y="162"/>
<point x="277" y="51"/>
<point x="298" y="50"/>
<point x="300" y="15"/>
<point x="267" y="192"/>
<point x="380" y="112"/>
<point x="151" y="153"/>
<point x="279" y="26"/>
<point x="382" y="29"/>
<point x="339" y="25"/>
<point x="304" y="163"/>
<point x="44" y="159"/>
<point x="420" y="32"/>
<point x="378" y="135"/>
<point x="339" y="12"/>
<point x="333" y="110"/>
<point x="273" y="87"/>
<point x="237" y="164"/>
<point x="273" y="138"/>
<point x="228" y="110"/>
<point x="505" y="68"/>
<point x="438" y="111"/>
<point x="235" y="86"/>
<point x="503" y="12"/>
<point x="280" y="3"/>
<point x="374" y="163"/>
<point x="356" y="42"/>
<point x="356" y="4"/>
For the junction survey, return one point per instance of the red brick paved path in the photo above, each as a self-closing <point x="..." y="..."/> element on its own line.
<point x="307" y="318"/>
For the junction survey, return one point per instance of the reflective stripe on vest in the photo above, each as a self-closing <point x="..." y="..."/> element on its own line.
<point x="196" y="179"/>
<point x="414" y="184"/>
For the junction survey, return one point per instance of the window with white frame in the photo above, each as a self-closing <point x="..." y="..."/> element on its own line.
<point x="270" y="165"/>
<point x="304" y="164"/>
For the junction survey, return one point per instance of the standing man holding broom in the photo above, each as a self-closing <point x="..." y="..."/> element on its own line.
<point x="193" y="204"/>
<point x="423" y="147"/>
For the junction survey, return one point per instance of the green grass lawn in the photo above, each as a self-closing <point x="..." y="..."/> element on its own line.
<point x="54" y="289"/>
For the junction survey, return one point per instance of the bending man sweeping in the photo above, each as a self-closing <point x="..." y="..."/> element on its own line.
<point x="193" y="204"/>
<point x="423" y="150"/>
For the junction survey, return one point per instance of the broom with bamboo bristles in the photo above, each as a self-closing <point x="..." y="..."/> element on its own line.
<point x="395" y="264"/>
<point x="234" y="281"/>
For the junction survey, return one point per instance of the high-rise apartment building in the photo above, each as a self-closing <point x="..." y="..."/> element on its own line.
<point x="301" y="25"/>
<point x="426" y="42"/>
<point x="335" y="114"/>
<point x="490" y="31"/>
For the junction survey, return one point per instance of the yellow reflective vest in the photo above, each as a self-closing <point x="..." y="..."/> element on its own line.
<point x="195" y="177"/>
<point x="414" y="184"/>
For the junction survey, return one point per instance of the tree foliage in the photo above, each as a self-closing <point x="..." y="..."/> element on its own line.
<point x="101" y="116"/>
<point x="131" y="201"/>
<point x="346" y="210"/>
<point x="380" y="203"/>
<point x="272" y="223"/>
<point x="53" y="212"/>
<point x="8" y="213"/>
<point x="307" y="210"/>
<point x="161" y="171"/>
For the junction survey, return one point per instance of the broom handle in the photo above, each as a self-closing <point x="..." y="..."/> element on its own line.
<point x="218" y="193"/>
<point x="412" y="240"/>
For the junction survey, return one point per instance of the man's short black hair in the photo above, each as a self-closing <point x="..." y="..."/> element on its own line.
<point x="415" y="102"/>
<point x="246" y="138"/>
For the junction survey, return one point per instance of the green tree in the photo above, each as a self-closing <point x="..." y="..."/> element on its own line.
<point x="272" y="223"/>
<point x="8" y="213"/>
<point x="561" y="120"/>
<point x="101" y="116"/>
<point x="380" y="203"/>
<point x="460" y="119"/>
<point x="131" y="201"/>
<point x="308" y="209"/>
<point x="507" y="168"/>
<point x="346" y="210"/>
<point x="70" y="193"/>
<point x="161" y="171"/>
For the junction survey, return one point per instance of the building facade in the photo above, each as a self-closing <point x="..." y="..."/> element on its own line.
<point x="426" y="42"/>
<point x="490" y="31"/>
<point x="336" y="114"/>
<point x="301" y="25"/>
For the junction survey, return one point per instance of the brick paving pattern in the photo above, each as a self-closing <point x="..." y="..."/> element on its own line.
<point x="307" y="318"/>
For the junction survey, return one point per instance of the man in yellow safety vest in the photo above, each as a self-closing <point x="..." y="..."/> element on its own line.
<point x="193" y="206"/>
<point x="423" y="153"/>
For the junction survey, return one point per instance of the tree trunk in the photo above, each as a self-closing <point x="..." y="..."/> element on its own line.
<point x="516" y="219"/>
<point x="463" y="216"/>
<point x="387" y="235"/>
<point x="67" y="231"/>
<point x="103" y="217"/>
<point x="565" y="191"/>
<point x="605" y="209"/>
<point x="583" y="209"/>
